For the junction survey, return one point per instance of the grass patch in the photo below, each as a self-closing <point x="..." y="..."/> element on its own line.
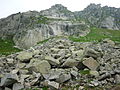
<point x="57" y="37"/>
<point x="97" y="34"/>
<point x="45" y="88"/>
<point x="44" y="41"/>
<point x="7" y="47"/>
<point x="84" y="72"/>
<point x="43" y="20"/>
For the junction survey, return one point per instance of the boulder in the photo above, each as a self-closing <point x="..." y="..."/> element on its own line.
<point x="9" y="79"/>
<point x="21" y="65"/>
<point x="74" y="73"/>
<point x="54" y="50"/>
<point x="91" y="63"/>
<point x="53" y="84"/>
<point x="6" y="88"/>
<point x="17" y="86"/>
<point x="78" y="53"/>
<point x="24" y="56"/>
<point x="52" y="61"/>
<point x="10" y="61"/>
<point x="36" y="52"/>
<point x="112" y="43"/>
<point x="53" y="74"/>
<point x="70" y="63"/>
<point x="94" y="83"/>
<point x="40" y="66"/>
<point x="89" y="52"/>
<point x="63" y="78"/>
<point x="94" y="73"/>
<point x="117" y="79"/>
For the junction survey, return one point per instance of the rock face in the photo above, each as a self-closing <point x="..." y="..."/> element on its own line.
<point x="29" y="28"/>
<point x="61" y="62"/>
<point x="103" y="17"/>
<point x="9" y="79"/>
<point x="44" y="31"/>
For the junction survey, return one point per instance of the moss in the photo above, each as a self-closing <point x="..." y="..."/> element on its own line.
<point x="7" y="47"/>
<point x="84" y="72"/>
<point x="45" y="88"/>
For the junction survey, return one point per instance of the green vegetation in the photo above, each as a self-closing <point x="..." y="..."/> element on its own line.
<point x="97" y="34"/>
<point x="43" y="20"/>
<point x="57" y="37"/>
<point x="84" y="72"/>
<point x="45" y="88"/>
<point x="44" y="41"/>
<point x="7" y="47"/>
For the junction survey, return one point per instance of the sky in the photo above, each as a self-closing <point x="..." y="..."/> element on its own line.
<point x="8" y="7"/>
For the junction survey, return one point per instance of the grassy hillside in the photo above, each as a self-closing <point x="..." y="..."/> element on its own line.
<point x="7" y="47"/>
<point x="98" y="34"/>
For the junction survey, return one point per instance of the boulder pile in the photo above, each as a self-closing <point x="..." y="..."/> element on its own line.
<point x="61" y="62"/>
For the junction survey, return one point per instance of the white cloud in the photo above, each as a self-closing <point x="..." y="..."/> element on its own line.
<point x="8" y="7"/>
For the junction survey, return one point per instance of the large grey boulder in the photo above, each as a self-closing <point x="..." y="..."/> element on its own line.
<point x="52" y="61"/>
<point x="17" y="86"/>
<point x="24" y="56"/>
<point x="53" y="74"/>
<point x="53" y="84"/>
<point x="89" y="52"/>
<point x="64" y="77"/>
<point x="70" y="63"/>
<point x="9" y="79"/>
<point x="117" y="79"/>
<point x="91" y="63"/>
<point x="6" y="88"/>
<point x="39" y="66"/>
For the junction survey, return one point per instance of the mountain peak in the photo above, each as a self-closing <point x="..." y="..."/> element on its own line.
<point x="58" y="11"/>
<point x="94" y="6"/>
<point x="58" y="5"/>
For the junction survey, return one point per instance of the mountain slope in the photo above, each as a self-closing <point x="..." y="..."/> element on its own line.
<point x="30" y="27"/>
<point x="102" y="17"/>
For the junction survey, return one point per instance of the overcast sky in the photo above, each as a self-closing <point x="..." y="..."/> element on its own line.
<point x="8" y="7"/>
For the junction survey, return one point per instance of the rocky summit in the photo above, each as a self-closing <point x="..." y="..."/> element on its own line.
<point x="61" y="63"/>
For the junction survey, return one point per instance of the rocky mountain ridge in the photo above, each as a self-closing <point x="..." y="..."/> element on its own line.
<point x="28" y="28"/>
<point x="102" y="17"/>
